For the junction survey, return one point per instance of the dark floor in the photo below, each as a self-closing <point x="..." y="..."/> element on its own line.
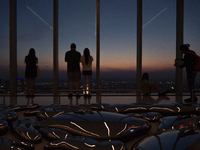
<point x="64" y="100"/>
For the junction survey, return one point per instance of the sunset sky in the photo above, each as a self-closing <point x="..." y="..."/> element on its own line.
<point x="118" y="23"/>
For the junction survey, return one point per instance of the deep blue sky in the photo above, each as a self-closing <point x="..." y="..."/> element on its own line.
<point x="77" y="23"/>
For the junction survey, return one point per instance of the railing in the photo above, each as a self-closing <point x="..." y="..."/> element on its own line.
<point x="2" y="90"/>
<point x="193" y="94"/>
<point x="98" y="91"/>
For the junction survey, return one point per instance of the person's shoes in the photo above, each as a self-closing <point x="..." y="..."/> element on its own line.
<point x="28" y="95"/>
<point x="32" y="95"/>
<point x="167" y="91"/>
<point x="162" y="94"/>
<point x="70" y="95"/>
<point x="77" y="95"/>
<point x="87" y="95"/>
<point x="190" y="99"/>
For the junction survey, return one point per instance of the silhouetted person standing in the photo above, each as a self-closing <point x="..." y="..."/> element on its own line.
<point x="31" y="71"/>
<point x="86" y="60"/>
<point x="189" y="62"/>
<point x="72" y="57"/>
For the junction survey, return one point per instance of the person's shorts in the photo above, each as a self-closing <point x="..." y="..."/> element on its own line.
<point x="74" y="76"/>
<point x="87" y="72"/>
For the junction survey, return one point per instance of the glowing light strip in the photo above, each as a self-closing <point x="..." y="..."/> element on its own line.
<point x="90" y="145"/>
<point x="162" y="108"/>
<point x="122" y="148"/>
<point x="107" y="128"/>
<point x="123" y="129"/>
<point x="178" y="109"/>
<point x="113" y="147"/>
<point x="55" y="134"/>
<point x="116" y="109"/>
<point x="46" y="114"/>
<point x="39" y="17"/>
<point x="28" y="135"/>
<point x="36" y="137"/>
<point x="24" y="143"/>
<point x="83" y="129"/>
<point x="135" y="108"/>
<point x="66" y="136"/>
<point x="154" y="17"/>
<point x="58" y="114"/>
<point x="64" y="143"/>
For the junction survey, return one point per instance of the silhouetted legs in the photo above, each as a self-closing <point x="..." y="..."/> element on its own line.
<point x="77" y="87"/>
<point x="85" y="82"/>
<point x="30" y="85"/>
<point x="190" y="80"/>
<point x="71" y="87"/>
<point x="159" y="90"/>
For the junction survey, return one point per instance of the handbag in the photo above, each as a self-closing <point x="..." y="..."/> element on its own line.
<point x="38" y="71"/>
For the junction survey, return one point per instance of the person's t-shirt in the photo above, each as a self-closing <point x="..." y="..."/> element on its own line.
<point x="86" y="67"/>
<point x="146" y="87"/>
<point x="72" y="58"/>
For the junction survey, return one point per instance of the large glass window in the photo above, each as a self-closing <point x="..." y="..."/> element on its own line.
<point x="159" y="40"/>
<point x="191" y="31"/>
<point x="77" y="21"/>
<point x="35" y="30"/>
<point x="118" y="44"/>
<point x="118" y="20"/>
<point x="4" y="46"/>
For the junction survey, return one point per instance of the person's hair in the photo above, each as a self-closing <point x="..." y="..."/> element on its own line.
<point x="73" y="45"/>
<point x="31" y="53"/>
<point x="87" y="55"/>
<point x="185" y="47"/>
<point x="145" y="76"/>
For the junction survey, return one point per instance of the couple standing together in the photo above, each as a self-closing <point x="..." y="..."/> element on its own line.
<point x="73" y="59"/>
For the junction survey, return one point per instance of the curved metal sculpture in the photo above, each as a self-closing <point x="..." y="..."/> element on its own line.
<point x="8" y="114"/>
<point x="7" y="144"/>
<point x="52" y="134"/>
<point x="178" y="122"/>
<point x="100" y="125"/>
<point x="3" y="127"/>
<point x="84" y="143"/>
<point x="56" y="111"/>
<point x="173" y="109"/>
<point x="174" y="139"/>
<point x="112" y="122"/>
<point x="25" y="129"/>
<point x="150" y="116"/>
<point x="129" y="108"/>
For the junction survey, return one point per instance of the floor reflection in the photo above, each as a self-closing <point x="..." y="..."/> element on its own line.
<point x="30" y="100"/>
<point x="151" y="100"/>
<point x="65" y="100"/>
